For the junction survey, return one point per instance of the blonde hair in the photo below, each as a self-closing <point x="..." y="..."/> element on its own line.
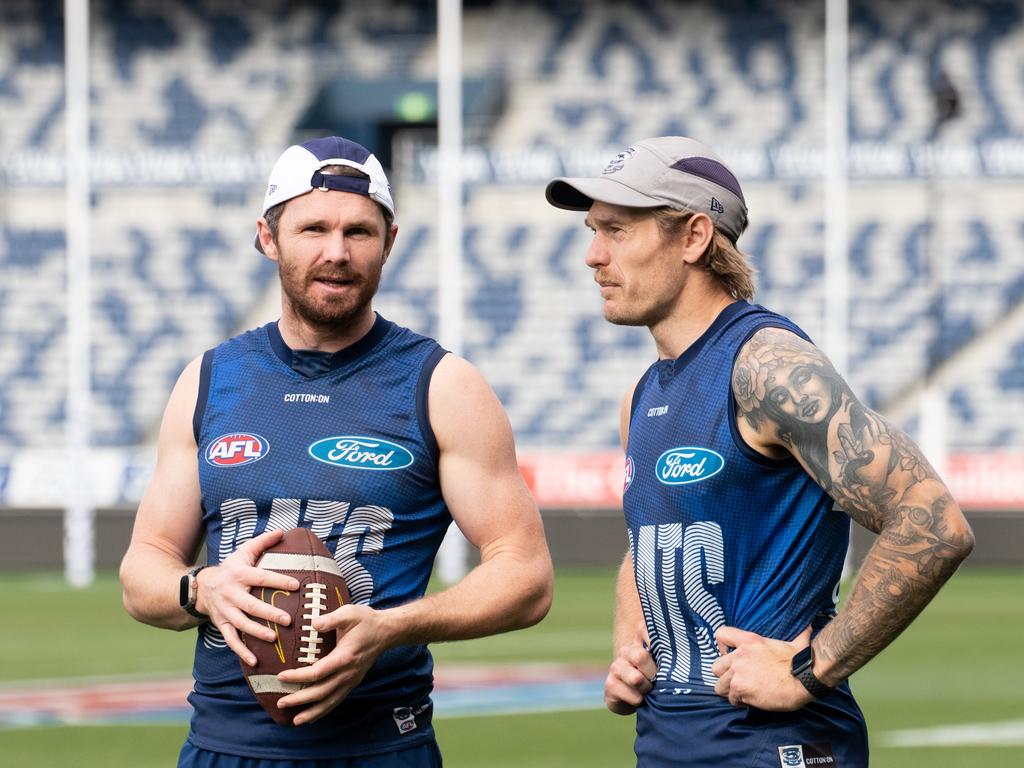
<point x="726" y="263"/>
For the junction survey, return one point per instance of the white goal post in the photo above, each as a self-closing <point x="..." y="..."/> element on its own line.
<point x="79" y="519"/>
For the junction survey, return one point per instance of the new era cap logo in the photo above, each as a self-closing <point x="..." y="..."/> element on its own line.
<point x="716" y="207"/>
<point x="272" y="189"/>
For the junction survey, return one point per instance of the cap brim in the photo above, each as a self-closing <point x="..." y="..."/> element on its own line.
<point x="580" y="194"/>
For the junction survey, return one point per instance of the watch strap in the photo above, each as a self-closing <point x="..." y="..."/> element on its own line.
<point x="803" y="670"/>
<point x="188" y="592"/>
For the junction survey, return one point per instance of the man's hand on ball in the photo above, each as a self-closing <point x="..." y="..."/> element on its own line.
<point x="757" y="672"/>
<point x="223" y="595"/>
<point x="363" y="634"/>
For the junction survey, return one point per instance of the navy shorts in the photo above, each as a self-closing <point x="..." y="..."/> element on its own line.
<point x="424" y="756"/>
<point x="701" y="730"/>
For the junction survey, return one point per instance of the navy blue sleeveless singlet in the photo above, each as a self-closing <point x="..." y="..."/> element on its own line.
<point x="346" y="449"/>
<point x="722" y="535"/>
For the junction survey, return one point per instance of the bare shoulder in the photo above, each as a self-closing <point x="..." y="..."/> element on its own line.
<point x="625" y="415"/>
<point x="188" y="379"/>
<point x="169" y="515"/>
<point x="462" y="404"/>
<point x="455" y="379"/>
<point x="478" y="471"/>
<point x="177" y="422"/>
<point x="451" y="370"/>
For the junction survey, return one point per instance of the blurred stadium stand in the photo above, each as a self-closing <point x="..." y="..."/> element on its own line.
<point x="201" y="95"/>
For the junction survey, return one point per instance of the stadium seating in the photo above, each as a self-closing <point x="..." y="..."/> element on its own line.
<point x="173" y="270"/>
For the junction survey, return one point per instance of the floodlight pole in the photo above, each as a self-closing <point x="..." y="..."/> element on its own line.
<point x="451" y="563"/>
<point x="79" y="547"/>
<point x="934" y="398"/>
<point x="837" y="137"/>
<point x="837" y="287"/>
<point x="449" y="125"/>
<point x="932" y="406"/>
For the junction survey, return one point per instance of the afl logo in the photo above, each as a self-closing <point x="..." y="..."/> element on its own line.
<point x="235" y="449"/>
<point x="679" y="466"/>
<point x="627" y="479"/>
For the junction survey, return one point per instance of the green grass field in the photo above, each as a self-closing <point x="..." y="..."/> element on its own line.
<point x="960" y="663"/>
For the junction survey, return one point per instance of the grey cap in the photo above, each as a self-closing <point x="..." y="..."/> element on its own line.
<point x="672" y="171"/>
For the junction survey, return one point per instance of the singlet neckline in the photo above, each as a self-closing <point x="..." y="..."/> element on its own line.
<point x="311" y="363"/>
<point x="674" y="366"/>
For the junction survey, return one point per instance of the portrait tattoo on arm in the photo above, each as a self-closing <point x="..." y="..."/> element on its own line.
<point x="788" y="392"/>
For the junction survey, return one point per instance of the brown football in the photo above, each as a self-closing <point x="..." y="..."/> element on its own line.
<point x="322" y="589"/>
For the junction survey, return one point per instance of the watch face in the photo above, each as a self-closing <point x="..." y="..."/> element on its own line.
<point x="183" y="591"/>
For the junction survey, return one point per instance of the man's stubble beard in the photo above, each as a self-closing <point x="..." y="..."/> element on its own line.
<point x="636" y="317"/>
<point x="624" y="319"/>
<point x="329" y="313"/>
<point x="643" y="313"/>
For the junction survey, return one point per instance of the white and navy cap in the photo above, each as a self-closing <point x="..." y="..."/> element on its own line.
<point x="298" y="171"/>
<point x="672" y="171"/>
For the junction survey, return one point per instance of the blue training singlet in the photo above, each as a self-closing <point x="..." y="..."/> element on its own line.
<point x="344" y="448"/>
<point x="720" y="535"/>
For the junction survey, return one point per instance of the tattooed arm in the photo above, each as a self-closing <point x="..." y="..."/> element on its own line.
<point x="791" y="400"/>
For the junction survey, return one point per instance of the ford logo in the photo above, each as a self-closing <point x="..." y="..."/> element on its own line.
<point x="679" y="466"/>
<point x="358" y="452"/>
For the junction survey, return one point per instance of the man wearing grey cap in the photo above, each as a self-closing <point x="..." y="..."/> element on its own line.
<point x="375" y="438"/>
<point x="742" y="446"/>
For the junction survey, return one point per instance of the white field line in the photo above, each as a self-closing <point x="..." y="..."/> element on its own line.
<point x="455" y="672"/>
<point x="1009" y="733"/>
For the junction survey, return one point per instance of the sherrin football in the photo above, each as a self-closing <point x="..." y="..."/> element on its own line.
<point x="322" y="589"/>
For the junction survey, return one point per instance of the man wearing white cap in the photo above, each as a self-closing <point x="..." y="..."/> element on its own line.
<point x="337" y="420"/>
<point x="744" y="449"/>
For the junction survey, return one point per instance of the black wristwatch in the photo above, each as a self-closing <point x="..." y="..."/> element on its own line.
<point x="188" y="589"/>
<point x="803" y="670"/>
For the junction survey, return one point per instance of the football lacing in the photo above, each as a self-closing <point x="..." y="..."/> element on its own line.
<point x="316" y="602"/>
